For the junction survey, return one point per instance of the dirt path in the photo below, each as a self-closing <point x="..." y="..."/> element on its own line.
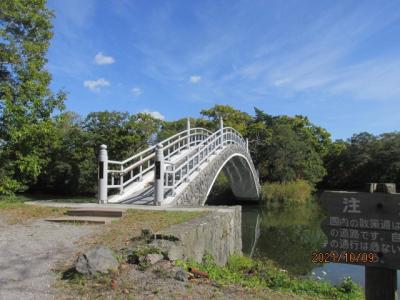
<point x="29" y="252"/>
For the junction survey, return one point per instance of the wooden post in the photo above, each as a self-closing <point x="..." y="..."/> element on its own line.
<point x="380" y="283"/>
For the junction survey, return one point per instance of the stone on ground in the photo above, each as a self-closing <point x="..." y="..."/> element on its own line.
<point x="154" y="258"/>
<point x="99" y="259"/>
<point x="172" y="249"/>
<point x="181" y="275"/>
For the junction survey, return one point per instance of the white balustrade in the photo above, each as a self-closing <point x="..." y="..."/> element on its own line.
<point x="200" y="145"/>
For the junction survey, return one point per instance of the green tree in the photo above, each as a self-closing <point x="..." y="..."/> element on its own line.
<point x="364" y="158"/>
<point x="73" y="163"/>
<point x="232" y="117"/>
<point x="123" y="134"/>
<point x="26" y="101"/>
<point x="72" y="167"/>
<point x="169" y="128"/>
<point x="288" y="148"/>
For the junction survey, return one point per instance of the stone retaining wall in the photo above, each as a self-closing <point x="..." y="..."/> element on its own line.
<point x="218" y="233"/>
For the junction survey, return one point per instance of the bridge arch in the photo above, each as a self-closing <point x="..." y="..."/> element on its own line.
<point x="236" y="163"/>
<point x="242" y="182"/>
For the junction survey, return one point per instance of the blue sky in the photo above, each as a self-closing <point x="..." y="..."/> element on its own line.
<point x="337" y="62"/>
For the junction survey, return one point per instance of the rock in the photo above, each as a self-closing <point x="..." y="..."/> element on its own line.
<point x="153" y="258"/>
<point x="147" y="233"/>
<point x="181" y="275"/>
<point x="173" y="250"/>
<point x="98" y="259"/>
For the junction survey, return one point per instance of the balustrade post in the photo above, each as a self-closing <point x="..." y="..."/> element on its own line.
<point x="159" y="175"/>
<point x="173" y="180"/>
<point x="102" y="175"/>
<point x="188" y="132"/>
<point x="221" y="127"/>
<point x="247" y="145"/>
<point x="121" y="180"/>
<point x="141" y="169"/>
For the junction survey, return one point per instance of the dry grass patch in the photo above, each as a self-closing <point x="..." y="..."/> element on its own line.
<point x="17" y="212"/>
<point x="123" y="232"/>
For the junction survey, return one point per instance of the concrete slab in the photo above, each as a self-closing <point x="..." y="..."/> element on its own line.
<point x="110" y="212"/>
<point x="83" y="219"/>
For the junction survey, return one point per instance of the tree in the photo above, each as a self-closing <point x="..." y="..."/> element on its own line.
<point x="169" y="128"/>
<point x="123" y="134"/>
<point x="232" y="117"/>
<point x="288" y="157"/>
<point x="26" y="101"/>
<point x="73" y="162"/>
<point x="288" y="148"/>
<point x="364" y="158"/>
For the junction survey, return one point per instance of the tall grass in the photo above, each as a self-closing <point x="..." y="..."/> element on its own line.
<point x="287" y="193"/>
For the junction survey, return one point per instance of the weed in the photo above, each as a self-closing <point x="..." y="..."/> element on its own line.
<point x="251" y="273"/>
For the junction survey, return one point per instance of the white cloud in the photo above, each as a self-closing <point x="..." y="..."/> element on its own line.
<point x="96" y="85"/>
<point x="282" y="81"/>
<point x="136" y="91"/>
<point x="195" y="78"/>
<point x="154" y="114"/>
<point x="101" y="59"/>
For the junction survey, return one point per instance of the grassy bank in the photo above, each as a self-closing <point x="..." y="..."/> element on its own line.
<point x="257" y="274"/>
<point x="14" y="211"/>
<point x="287" y="193"/>
<point x="122" y="233"/>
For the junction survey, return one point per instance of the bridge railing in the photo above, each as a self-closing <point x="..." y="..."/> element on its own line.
<point x="120" y="174"/>
<point x="176" y="174"/>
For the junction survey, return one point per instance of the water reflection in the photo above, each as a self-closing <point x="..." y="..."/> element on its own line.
<point x="251" y="220"/>
<point x="287" y="236"/>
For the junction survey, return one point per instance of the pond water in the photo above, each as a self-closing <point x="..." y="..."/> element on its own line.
<point x="288" y="237"/>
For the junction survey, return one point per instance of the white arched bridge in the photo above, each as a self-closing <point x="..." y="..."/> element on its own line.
<point x="181" y="170"/>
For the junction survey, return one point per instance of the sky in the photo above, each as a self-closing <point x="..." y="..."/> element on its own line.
<point x="336" y="62"/>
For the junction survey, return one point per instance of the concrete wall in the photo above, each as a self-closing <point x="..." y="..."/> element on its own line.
<point x="219" y="233"/>
<point x="237" y="164"/>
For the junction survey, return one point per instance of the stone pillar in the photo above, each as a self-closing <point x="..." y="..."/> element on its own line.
<point x="102" y="175"/>
<point x="159" y="175"/>
<point x="247" y="145"/>
<point x="188" y="132"/>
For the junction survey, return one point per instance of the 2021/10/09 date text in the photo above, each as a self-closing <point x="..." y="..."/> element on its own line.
<point x="344" y="257"/>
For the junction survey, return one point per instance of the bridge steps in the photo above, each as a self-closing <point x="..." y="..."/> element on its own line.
<point x="85" y="220"/>
<point x="96" y="212"/>
<point x="90" y="216"/>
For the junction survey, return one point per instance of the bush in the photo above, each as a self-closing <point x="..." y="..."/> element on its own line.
<point x="287" y="193"/>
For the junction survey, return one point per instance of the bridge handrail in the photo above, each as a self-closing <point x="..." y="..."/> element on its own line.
<point x="151" y="148"/>
<point x="144" y="159"/>
<point x="176" y="174"/>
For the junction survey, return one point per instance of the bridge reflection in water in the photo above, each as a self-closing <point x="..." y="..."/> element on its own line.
<point x="251" y="221"/>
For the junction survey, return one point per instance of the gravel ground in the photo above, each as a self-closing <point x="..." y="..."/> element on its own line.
<point x="29" y="252"/>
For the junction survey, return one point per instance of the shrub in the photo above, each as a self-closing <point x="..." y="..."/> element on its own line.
<point x="287" y="193"/>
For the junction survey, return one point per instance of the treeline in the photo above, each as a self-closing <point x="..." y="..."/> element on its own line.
<point x="284" y="149"/>
<point x="363" y="158"/>
<point x="43" y="148"/>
